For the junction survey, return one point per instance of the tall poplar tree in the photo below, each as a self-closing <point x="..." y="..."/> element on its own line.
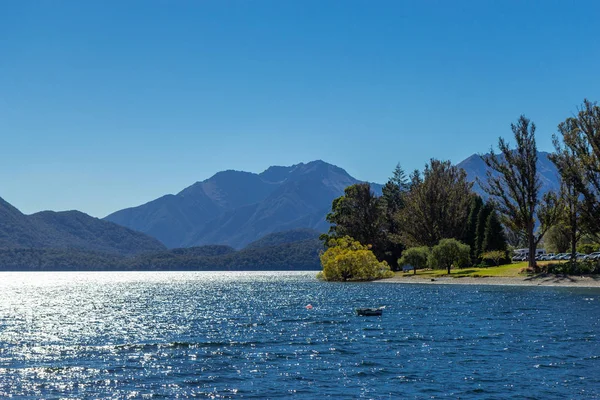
<point x="571" y="171"/>
<point x="514" y="184"/>
<point x="581" y="137"/>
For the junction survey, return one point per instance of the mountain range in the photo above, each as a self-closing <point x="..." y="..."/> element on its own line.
<point x="72" y="230"/>
<point x="290" y="250"/>
<point x="279" y="211"/>
<point x="235" y="208"/>
<point x="476" y="170"/>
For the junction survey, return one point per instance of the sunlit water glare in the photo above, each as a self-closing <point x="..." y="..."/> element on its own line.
<point x="249" y="334"/>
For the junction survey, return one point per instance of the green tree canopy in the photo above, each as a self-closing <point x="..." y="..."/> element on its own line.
<point x="581" y="137"/>
<point x="558" y="239"/>
<point x="360" y="215"/>
<point x="438" y="206"/>
<point x="416" y="257"/>
<point x="494" y="256"/>
<point x="347" y="259"/>
<point x="494" y="238"/>
<point x="392" y="199"/>
<point x="484" y="212"/>
<point x="578" y="162"/>
<point x="448" y="253"/>
<point x="470" y="235"/>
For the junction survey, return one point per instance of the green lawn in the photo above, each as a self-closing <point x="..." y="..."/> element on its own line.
<point x="509" y="270"/>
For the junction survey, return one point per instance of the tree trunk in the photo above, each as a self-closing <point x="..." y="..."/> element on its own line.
<point x="448" y="269"/>
<point x="573" y="237"/>
<point x="532" y="265"/>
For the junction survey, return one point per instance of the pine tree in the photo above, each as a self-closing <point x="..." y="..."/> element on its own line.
<point x="400" y="179"/>
<point x="493" y="238"/>
<point x="482" y="217"/>
<point x="393" y="193"/>
<point x="471" y="230"/>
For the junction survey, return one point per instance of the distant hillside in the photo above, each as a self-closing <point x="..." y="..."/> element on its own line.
<point x="69" y="230"/>
<point x="300" y="255"/>
<point x="295" y="255"/>
<point x="236" y="208"/>
<point x="51" y="259"/>
<point x="275" y="239"/>
<point x="476" y="168"/>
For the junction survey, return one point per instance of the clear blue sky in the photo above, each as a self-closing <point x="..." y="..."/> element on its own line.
<point x="109" y="104"/>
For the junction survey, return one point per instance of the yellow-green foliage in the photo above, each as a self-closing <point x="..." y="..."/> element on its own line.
<point x="346" y="259"/>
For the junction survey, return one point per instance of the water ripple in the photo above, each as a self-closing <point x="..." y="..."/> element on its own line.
<point x="229" y="335"/>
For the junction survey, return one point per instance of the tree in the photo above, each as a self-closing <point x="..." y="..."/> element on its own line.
<point x="392" y="202"/>
<point x="415" y="179"/>
<point x="471" y="229"/>
<point x="416" y="257"/>
<point x="484" y="213"/>
<point x="399" y="179"/>
<point x="579" y="167"/>
<point x="347" y="259"/>
<point x="358" y="214"/>
<point x="436" y="207"/>
<point x="448" y="253"/>
<point x="494" y="238"/>
<point x="558" y="239"/>
<point x="495" y="256"/>
<point x="581" y="136"/>
<point x="515" y="185"/>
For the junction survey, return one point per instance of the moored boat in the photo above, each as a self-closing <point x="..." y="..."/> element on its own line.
<point x="369" y="312"/>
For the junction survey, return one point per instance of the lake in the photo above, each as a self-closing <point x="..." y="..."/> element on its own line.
<point x="249" y="334"/>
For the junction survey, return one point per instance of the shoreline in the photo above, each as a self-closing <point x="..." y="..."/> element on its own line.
<point x="547" y="280"/>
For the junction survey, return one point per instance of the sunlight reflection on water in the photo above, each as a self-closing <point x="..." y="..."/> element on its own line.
<point x="230" y="334"/>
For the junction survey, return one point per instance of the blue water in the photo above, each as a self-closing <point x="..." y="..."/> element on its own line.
<point x="249" y="335"/>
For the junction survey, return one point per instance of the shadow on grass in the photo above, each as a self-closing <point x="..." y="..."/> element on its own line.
<point x="464" y="272"/>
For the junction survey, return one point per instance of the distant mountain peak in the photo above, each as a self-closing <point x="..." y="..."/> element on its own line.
<point x="236" y="207"/>
<point x="7" y="208"/>
<point x="476" y="168"/>
<point x="276" y="173"/>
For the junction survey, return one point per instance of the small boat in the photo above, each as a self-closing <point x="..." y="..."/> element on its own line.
<point x="369" y="312"/>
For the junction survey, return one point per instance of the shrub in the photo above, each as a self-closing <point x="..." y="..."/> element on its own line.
<point x="587" y="248"/>
<point x="577" y="268"/>
<point x="347" y="259"/>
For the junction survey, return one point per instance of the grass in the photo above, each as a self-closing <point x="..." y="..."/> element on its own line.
<point x="508" y="270"/>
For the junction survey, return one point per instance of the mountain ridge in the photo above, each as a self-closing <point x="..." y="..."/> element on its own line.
<point x="235" y="207"/>
<point x="475" y="167"/>
<point x="231" y="208"/>
<point x="69" y="230"/>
